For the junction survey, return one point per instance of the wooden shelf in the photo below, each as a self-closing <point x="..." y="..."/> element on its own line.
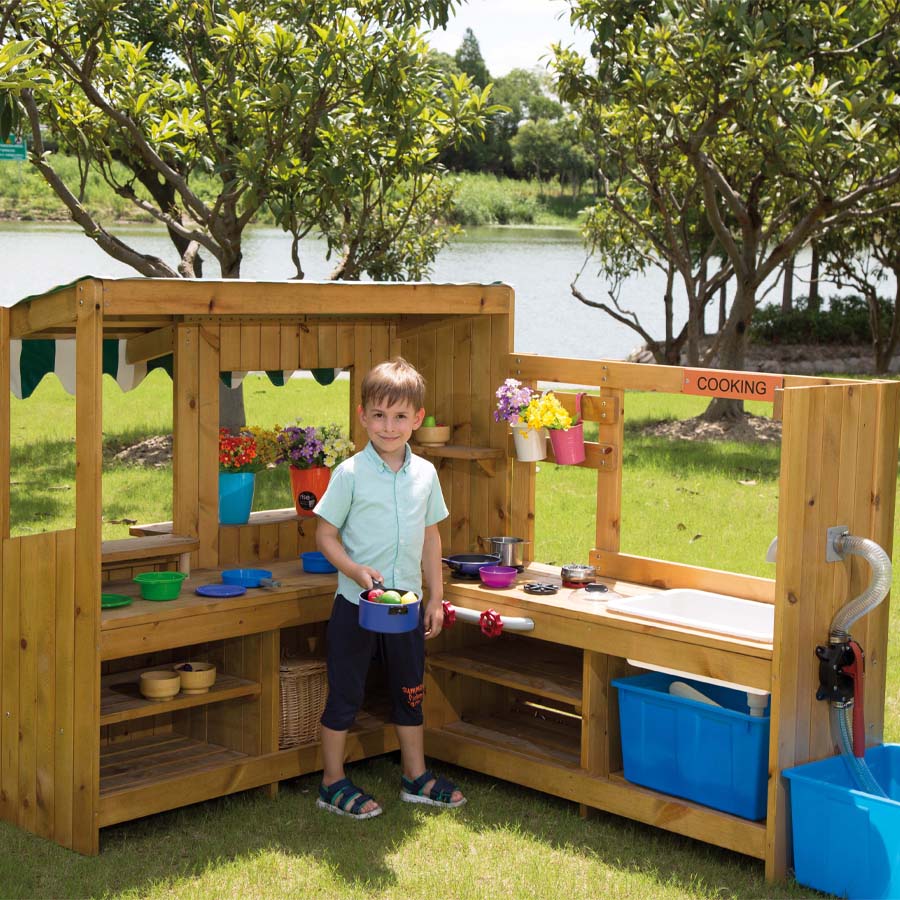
<point x="538" y="667"/>
<point x="156" y="546"/>
<point x="484" y="456"/>
<point x="263" y="517"/>
<point x="140" y="763"/>
<point x="121" y="700"/>
<point x="549" y="739"/>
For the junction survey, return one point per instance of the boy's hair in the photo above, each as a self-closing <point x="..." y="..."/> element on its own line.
<point x="392" y="382"/>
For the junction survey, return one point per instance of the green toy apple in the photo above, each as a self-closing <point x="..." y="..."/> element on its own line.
<point x="429" y="422"/>
<point x="390" y="597"/>
<point x="409" y="597"/>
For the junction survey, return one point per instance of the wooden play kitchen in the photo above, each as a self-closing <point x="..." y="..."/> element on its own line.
<point x="78" y="751"/>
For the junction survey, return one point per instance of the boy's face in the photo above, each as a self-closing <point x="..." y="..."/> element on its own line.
<point x="390" y="427"/>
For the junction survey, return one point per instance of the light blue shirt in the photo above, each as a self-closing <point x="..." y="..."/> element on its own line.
<point x="382" y="516"/>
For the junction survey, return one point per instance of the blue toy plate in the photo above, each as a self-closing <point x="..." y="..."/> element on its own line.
<point x="220" y="590"/>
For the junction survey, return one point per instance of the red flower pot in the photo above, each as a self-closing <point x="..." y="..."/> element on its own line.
<point x="307" y="486"/>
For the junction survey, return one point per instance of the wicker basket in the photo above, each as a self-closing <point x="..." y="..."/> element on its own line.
<point x="304" y="687"/>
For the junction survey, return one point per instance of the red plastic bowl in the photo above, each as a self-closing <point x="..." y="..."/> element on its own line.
<point x="498" y="576"/>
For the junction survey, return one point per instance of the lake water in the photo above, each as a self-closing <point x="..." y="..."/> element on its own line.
<point x="539" y="263"/>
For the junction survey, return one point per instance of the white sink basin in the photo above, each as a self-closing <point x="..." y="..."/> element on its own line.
<point x="701" y="609"/>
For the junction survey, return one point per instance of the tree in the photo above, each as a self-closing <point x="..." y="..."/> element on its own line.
<point x="862" y="256"/>
<point x="469" y="59"/>
<point x="782" y="112"/>
<point x="267" y="100"/>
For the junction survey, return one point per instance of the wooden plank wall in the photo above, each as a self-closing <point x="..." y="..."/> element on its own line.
<point x="460" y="358"/>
<point x="838" y="467"/>
<point x="37" y="685"/>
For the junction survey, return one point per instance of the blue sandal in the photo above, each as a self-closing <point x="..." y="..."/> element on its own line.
<point x="344" y="798"/>
<point x="440" y="794"/>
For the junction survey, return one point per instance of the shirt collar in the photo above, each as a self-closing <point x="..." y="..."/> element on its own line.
<point x="380" y="464"/>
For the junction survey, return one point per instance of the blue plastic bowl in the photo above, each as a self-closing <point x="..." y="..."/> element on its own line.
<point x="245" y="577"/>
<point x="388" y="618"/>
<point x="313" y="561"/>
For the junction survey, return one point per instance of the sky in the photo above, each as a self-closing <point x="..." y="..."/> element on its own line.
<point x="512" y="34"/>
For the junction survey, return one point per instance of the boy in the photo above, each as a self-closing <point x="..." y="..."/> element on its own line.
<point x="378" y="522"/>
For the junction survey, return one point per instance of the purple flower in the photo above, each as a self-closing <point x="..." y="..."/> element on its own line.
<point x="512" y="398"/>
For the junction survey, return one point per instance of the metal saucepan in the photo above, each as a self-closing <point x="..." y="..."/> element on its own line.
<point x="511" y="550"/>
<point x="576" y="575"/>
<point x="468" y="564"/>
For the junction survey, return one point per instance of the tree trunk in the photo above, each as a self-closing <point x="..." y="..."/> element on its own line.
<point x="733" y="351"/>
<point x="815" y="301"/>
<point x="723" y="306"/>
<point x="787" y="289"/>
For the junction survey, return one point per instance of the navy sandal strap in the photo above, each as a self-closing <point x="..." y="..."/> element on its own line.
<point x="344" y="795"/>
<point x="414" y="786"/>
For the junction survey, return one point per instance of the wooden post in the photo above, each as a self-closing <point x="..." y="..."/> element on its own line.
<point x="88" y="512"/>
<point x="838" y="468"/>
<point x="186" y="431"/>
<point x="4" y="424"/>
<point x="207" y="445"/>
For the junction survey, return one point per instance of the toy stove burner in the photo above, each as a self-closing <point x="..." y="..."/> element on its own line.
<point x="542" y="588"/>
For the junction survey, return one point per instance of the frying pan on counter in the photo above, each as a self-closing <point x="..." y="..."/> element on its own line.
<point x="468" y="564"/>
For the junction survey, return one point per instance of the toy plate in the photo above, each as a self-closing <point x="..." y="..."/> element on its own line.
<point x="221" y="590"/>
<point x="110" y="601"/>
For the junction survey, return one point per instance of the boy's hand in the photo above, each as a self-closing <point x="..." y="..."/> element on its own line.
<point x="434" y="618"/>
<point x="366" y="576"/>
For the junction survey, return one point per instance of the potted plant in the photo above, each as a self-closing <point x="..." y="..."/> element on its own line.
<point x="513" y="398"/>
<point x="311" y="452"/>
<point x="566" y="435"/>
<point x="238" y="464"/>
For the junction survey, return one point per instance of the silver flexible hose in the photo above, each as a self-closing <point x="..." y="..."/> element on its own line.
<point x="879" y="585"/>
<point x="842" y="730"/>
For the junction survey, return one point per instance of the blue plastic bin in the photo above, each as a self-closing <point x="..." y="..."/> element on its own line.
<point x="314" y="561"/>
<point x="847" y="842"/>
<point x="717" y="756"/>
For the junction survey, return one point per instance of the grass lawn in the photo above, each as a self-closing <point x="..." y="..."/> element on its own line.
<point x="679" y="502"/>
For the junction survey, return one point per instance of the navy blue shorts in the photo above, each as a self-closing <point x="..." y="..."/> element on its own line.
<point x="350" y="652"/>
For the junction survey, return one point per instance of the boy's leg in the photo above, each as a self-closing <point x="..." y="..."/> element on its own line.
<point x="405" y="656"/>
<point x="349" y="654"/>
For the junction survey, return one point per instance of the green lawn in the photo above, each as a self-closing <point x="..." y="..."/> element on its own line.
<point x="679" y="500"/>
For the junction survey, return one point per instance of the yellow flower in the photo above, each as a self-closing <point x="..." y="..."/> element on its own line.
<point x="545" y="411"/>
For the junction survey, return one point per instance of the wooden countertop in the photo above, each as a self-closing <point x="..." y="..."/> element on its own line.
<point x="570" y="617"/>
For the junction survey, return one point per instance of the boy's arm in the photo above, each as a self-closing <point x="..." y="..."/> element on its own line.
<point x="328" y="541"/>
<point x="434" y="578"/>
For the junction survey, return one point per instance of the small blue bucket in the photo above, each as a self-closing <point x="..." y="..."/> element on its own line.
<point x="315" y="562"/>
<point x="235" y="497"/>
<point x="388" y="618"/>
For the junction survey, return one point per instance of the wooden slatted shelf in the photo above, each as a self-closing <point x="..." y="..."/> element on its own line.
<point x="539" y="667"/>
<point x="146" y="548"/>
<point x="548" y="739"/>
<point x="130" y="765"/>
<point x="262" y="517"/>
<point x="121" y="699"/>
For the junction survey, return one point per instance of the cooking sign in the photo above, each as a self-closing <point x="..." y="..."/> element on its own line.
<point x="732" y="385"/>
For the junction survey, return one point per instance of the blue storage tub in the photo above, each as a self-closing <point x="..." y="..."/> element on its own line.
<point x="314" y="561"/>
<point x="847" y="842"/>
<point x="711" y="755"/>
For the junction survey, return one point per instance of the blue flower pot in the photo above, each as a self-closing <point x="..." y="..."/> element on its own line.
<point x="235" y="497"/>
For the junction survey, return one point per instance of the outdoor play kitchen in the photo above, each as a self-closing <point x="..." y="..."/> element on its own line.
<point x="658" y="691"/>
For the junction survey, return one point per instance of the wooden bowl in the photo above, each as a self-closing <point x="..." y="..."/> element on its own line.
<point x="433" y="435"/>
<point x="160" y="685"/>
<point x="197" y="679"/>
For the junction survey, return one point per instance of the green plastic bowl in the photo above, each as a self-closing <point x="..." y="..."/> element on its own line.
<point x="160" y="585"/>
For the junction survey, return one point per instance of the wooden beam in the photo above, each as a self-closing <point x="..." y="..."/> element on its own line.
<point x="177" y="296"/>
<point x="150" y="346"/>
<point x="88" y="513"/>
<point x="48" y="311"/>
<point x="4" y="424"/>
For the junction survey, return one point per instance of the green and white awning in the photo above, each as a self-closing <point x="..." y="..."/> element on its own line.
<point x="31" y="360"/>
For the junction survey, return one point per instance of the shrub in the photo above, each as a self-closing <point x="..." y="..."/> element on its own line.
<point x="841" y="320"/>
